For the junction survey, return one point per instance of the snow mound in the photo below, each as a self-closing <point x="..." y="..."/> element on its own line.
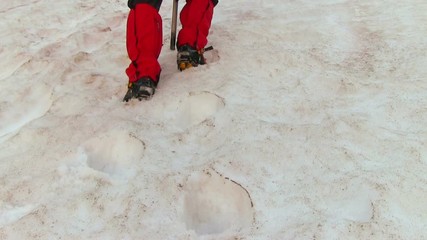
<point x="214" y="204"/>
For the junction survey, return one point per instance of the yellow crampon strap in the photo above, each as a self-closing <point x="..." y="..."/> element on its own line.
<point x="184" y="65"/>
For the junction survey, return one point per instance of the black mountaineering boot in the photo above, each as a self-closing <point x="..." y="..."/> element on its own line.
<point x="189" y="57"/>
<point x="143" y="89"/>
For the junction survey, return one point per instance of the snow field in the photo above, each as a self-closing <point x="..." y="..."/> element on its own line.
<point x="307" y="123"/>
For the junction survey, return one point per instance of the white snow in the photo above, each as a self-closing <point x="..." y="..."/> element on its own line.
<point x="309" y="122"/>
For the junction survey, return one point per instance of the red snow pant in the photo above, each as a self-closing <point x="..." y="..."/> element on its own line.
<point x="196" y="18"/>
<point x="144" y="42"/>
<point x="144" y="34"/>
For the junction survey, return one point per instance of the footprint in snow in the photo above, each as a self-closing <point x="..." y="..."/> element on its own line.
<point x="116" y="153"/>
<point x="212" y="56"/>
<point x="24" y="106"/>
<point x="198" y="107"/>
<point x="214" y="204"/>
<point x="10" y="214"/>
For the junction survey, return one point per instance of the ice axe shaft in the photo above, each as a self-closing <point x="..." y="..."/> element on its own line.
<point x="174" y="24"/>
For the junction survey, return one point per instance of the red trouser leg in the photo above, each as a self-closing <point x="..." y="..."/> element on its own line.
<point x="196" y="17"/>
<point x="144" y="42"/>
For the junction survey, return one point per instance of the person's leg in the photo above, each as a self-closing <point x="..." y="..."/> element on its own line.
<point x="155" y="3"/>
<point x="196" y="17"/>
<point x="144" y="39"/>
<point x="143" y="43"/>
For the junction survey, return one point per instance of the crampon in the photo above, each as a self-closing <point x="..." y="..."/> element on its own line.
<point x="189" y="57"/>
<point x="143" y="89"/>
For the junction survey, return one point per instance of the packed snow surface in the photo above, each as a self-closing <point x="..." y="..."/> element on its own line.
<point x="308" y="122"/>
